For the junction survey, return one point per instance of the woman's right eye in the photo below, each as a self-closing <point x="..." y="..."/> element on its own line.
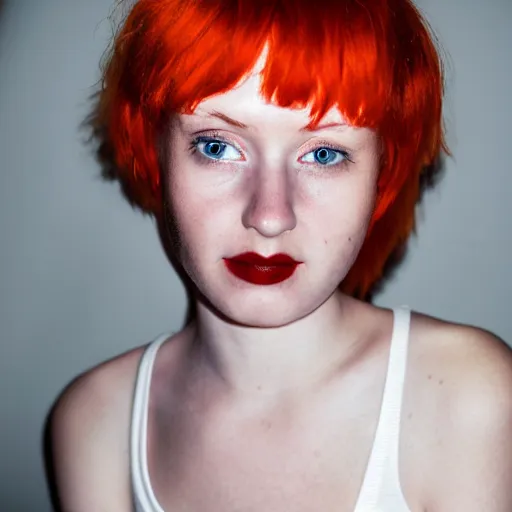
<point x="215" y="149"/>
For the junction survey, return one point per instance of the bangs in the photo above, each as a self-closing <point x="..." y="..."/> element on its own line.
<point x="317" y="54"/>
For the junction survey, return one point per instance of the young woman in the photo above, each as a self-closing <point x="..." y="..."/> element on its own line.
<point x="281" y="144"/>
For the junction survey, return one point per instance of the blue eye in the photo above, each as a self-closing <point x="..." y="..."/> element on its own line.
<point x="325" y="156"/>
<point x="215" y="149"/>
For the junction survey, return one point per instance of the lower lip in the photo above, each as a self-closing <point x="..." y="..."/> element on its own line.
<point x="260" y="274"/>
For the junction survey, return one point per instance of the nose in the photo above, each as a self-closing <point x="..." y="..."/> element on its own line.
<point x="269" y="209"/>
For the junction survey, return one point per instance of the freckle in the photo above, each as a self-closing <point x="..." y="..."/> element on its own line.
<point x="430" y="377"/>
<point x="350" y="239"/>
<point x="441" y="382"/>
<point x="410" y="415"/>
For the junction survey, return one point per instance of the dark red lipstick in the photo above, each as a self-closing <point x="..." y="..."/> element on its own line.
<point x="257" y="269"/>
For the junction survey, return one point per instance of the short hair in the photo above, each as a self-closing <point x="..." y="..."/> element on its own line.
<point x="374" y="60"/>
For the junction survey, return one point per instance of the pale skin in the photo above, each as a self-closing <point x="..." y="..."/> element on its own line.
<point x="269" y="399"/>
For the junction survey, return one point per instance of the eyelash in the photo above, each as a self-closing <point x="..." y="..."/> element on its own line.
<point x="217" y="137"/>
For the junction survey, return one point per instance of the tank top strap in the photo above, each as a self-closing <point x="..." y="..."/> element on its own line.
<point x="144" y="498"/>
<point x="383" y="461"/>
<point x="395" y="381"/>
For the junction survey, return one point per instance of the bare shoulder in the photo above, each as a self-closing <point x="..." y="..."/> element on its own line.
<point x="89" y="427"/>
<point x="468" y="360"/>
<point x="465" y="378"/>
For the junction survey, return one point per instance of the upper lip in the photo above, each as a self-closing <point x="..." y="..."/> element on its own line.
<point x="253" y="258"/>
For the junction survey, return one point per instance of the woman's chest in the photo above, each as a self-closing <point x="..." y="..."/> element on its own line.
<point x="268" y="463"/>
<point x="267" y="472"/>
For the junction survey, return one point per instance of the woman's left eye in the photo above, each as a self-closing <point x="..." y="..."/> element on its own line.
<point x="325" y="156"/>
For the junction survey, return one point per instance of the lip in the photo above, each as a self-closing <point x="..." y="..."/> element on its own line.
<point x="256" y="269"/>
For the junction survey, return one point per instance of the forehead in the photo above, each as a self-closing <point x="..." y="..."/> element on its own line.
<point x="246" y="104"/>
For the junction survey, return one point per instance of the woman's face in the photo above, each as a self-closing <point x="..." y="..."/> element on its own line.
<point x="244" y="176"/>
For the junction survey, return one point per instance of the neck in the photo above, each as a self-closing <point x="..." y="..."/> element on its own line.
<point x="287" y="359"/>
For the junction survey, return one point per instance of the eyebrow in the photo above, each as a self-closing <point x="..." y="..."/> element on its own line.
<point x="239" y="124"/>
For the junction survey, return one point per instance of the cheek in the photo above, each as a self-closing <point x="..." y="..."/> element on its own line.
<point x="344" y="223"/>
<point x="345" y="207"/>
<point x="183" y="193"/>
<point x="200" y="222"/>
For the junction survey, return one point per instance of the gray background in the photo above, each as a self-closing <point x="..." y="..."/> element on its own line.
<point x="83" y="278"/>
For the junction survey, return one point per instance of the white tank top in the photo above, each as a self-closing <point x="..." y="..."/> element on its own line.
<point x="381" y="490"/>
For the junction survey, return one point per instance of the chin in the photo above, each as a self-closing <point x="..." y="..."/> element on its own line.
<point x="263" y="310"/>
<point x="265" y="319"/>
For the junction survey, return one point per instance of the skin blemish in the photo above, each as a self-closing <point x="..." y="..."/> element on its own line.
<point x="430" y="377"/>
<point x="266" y="424"/>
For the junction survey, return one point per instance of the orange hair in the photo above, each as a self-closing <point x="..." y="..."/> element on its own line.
<point x="372" y="59"/>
